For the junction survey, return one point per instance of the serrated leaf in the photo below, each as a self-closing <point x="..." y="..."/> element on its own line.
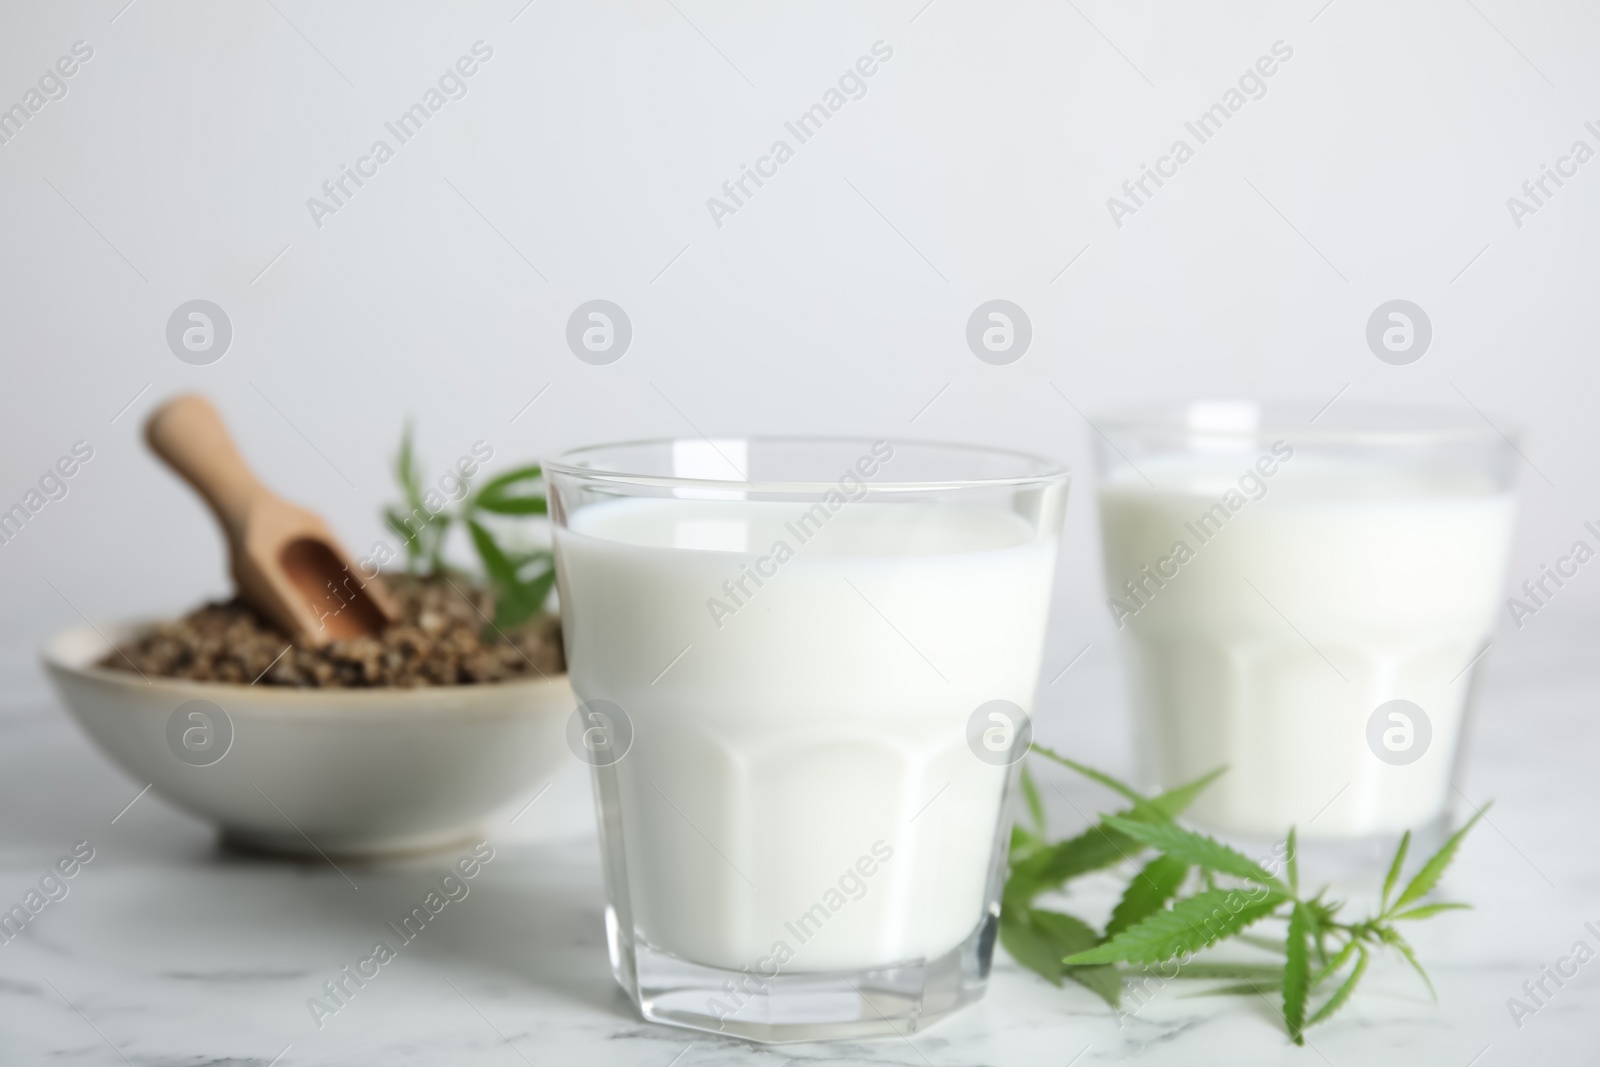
<point x="1175" y="801"/>
<point x="1121" y="788"/>
<point x="1030" y="793"/>
<point x="516" y="492"/>
<point x="523" y="602"/>
<point x="1030" y="947"/>
<point x="1103" y="981"/>
<point x="1070" y="933"/>
<point x="1188" y="926"/>
<point x="1296" y="973"/>
<point x="1039" y="940"/>
<point x="403" y="530"/>
<point x="500" y="504"/>
<point x="1019" y="890"/>
<point x="1169" y="803"/>
<point x="405" y="477"/>
<point x="436" y="529"/>
<point x="1097" y="847"/>
<point x="1393" y="876"/>
<point x="1332" y="966"/>
<point x="1397" y="942"/>
<point x="1429" y="910"/>
<point x="502" y="482"/>
<point x="1147" y="893"/>
<point x="499" y="568"/>
<point x="1342" y="994"/>
<point x="1094" y="849"/>
<point x="1424" y="881"/>
<point x="1023" y="844"/>
<point x="1048" y="867"/>
<point x="515" y="600"/>
<point x="1323" y="923"/>
<point x="405" y="470"/>
<point x="1196" y="849"/>
<point x="1294" y="864"/>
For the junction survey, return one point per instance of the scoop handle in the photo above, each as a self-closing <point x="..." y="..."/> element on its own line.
<point x="189" y="434"/>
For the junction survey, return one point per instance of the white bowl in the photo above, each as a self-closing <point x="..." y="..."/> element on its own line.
<point x="354" y="772"/>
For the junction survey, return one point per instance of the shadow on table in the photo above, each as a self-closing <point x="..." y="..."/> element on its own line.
<point x="532" y="916"/>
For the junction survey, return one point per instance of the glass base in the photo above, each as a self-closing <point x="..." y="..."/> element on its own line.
<point x="897" y="999"/>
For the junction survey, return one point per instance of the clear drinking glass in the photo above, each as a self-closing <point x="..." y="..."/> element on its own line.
<point x="806" y="667"/>
<point x="1305" y="598"/>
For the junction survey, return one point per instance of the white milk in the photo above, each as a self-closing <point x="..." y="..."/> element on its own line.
<point x="1393" y="579"/>
<point x="818" y="725"/>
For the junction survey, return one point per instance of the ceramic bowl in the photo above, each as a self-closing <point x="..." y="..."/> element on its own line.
<point x="352" y="772"/>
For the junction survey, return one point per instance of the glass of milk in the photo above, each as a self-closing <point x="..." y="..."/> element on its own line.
<point x="806" y="668"/>
<point x="1305" y="598"/>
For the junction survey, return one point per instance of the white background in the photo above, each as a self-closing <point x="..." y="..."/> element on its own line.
<point x="978" y="166"/>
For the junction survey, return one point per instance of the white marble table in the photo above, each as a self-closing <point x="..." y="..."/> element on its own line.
<point x="167" y="951"/>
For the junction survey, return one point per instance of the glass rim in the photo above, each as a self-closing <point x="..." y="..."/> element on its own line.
<point x="568" y="462"/>
<point x="1409" y="424"/>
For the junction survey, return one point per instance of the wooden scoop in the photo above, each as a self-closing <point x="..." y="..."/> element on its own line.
<point x="286" y="563"/>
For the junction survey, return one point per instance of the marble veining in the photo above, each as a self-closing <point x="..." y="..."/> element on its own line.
<point x="168" y="950"/>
